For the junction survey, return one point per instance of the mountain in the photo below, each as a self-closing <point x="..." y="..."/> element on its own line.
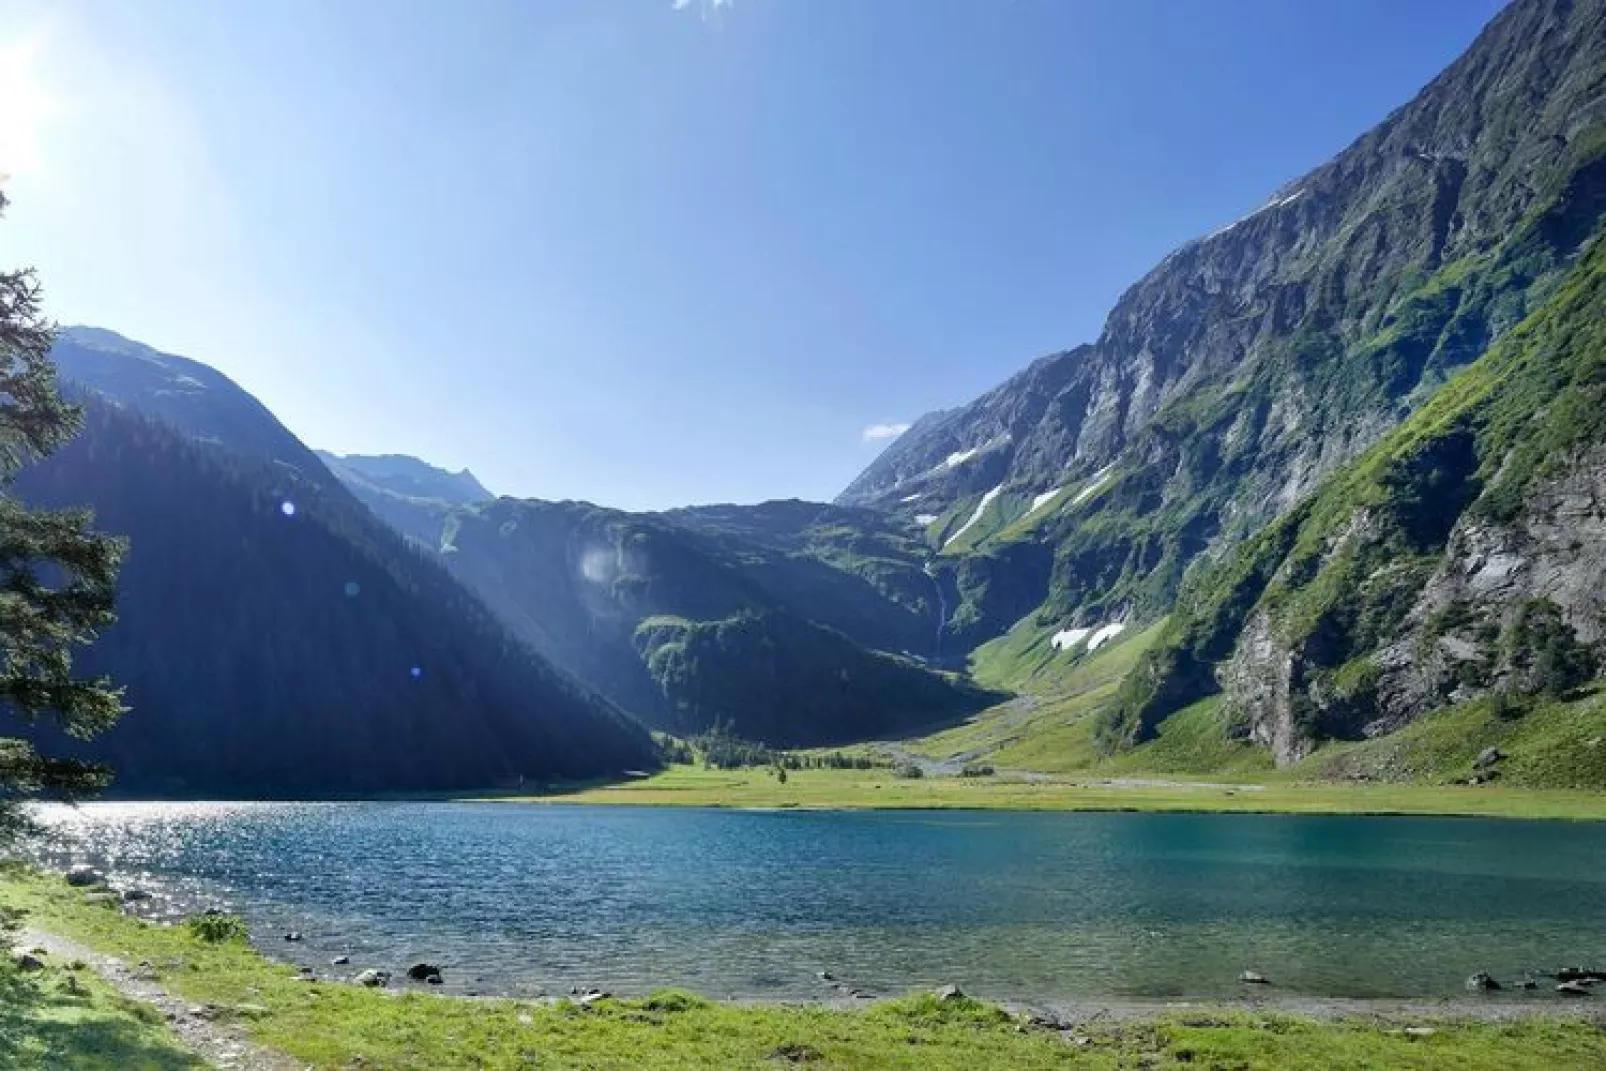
<point x="1325" y="491"/>
<point x="1252" y="363"/>
<point x="274" y="637"/>
<point x="1310" y="440"/>
<point x="1463" y="556"/>
<point x="407" y="477"/>
<point x="195" y="398"/>
<point x="774" y="620"/>
<point x="834" y="589"/>
<point x="410" y="495"/>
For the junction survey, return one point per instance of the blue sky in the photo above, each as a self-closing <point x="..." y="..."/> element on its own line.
<point x="651" y="255"/>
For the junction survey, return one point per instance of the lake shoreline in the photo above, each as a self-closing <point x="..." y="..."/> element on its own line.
<point x="231" y="990"/>
<point x="882" y="790"/>
<point x="825" y="790"/>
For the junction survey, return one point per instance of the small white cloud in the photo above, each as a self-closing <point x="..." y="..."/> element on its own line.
<point x="706" y="7"/>
<point x="877" y="432"/>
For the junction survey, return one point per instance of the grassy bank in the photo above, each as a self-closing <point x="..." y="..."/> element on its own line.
<point x="64" y="1016"/>
<point x="691" y="786"/>
<point x="337" y="1025"/>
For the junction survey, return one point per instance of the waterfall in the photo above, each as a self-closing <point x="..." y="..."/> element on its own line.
<point x="942" y="609"/>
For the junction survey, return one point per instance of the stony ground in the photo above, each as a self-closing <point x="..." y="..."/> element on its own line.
<point x="221" y="1043"/>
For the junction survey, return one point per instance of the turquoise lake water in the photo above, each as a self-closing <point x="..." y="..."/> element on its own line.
<point x="518" y="899"/>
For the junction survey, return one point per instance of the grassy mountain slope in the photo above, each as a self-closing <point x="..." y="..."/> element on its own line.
<point x="1461" y="555"/>
<point x="770" y="618"/>
<point x="789" y="682"/>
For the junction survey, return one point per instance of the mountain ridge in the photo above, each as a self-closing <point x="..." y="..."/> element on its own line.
<point x="274" y="636"/>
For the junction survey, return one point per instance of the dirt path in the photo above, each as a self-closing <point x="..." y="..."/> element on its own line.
<point x="221" y="1043"/>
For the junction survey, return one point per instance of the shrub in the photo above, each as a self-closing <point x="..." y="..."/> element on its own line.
<point x="1546" y="653"/>
<point x="909" y="770"/>
<point x="217" y="929"/>
<point x="674" y="1000"/>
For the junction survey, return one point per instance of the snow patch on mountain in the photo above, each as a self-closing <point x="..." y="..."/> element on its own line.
<point x="1096" y="636"/>
<point x="1065" y="639"/>
<point x="981" y="507"/>
<point x="959" y="457"/>
<point x="1100" y="478"/>
<point x="1039" y="501"/>
<point x="1104" y="635"/>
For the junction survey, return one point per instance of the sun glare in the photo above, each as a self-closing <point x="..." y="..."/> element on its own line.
<point x="25" y="106"/>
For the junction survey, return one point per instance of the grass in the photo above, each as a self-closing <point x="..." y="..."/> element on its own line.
<point x="1551" y="743"/>
<point x="1556" y="758"/>
<point x="332" y="1025"/>
<point x="1004" y="509"/>
<point x="1050" y="732"/>
<point x="58" y="1017"/>
<point x="691" y="786"/>
<point x="1024" y="659"/>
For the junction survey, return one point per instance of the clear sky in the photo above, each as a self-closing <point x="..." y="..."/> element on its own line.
<point x="650" y="253"/>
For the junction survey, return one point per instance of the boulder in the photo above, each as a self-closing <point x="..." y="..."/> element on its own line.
<point x="373" y="978"/>
<point x="1574" y="989"/>
<point x="1254" y="978"/>
<point x="27" y="961"/>
<point x="293" y="935"/>
<point x="826" y="976"/>
<point x="1483" y="982"/>
<point x="84" y="874"/>
<point x="948" y="992"/>
<point x="340" y="961"/>
<point x="134" y="896"/>
<point x="420" y="972"/>
<point x="1488" y="757"/>
<point x="591" y="996"/>
<point x="1580" y="974"/>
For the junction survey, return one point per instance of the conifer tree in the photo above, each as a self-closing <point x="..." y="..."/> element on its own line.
<point x="57" y="575"/>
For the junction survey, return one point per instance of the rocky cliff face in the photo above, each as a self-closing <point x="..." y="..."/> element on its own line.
<point x="1516" y="605"/>
<point x="1464" y="555"/>
<point x="1255" y="361"/>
